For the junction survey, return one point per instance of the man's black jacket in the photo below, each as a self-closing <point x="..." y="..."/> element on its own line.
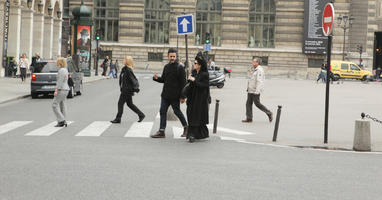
<point x="174" y="79"/>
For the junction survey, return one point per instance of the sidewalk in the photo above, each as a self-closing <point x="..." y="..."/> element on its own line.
<point x="12" y="88"/>
<point x="303" y="112"/>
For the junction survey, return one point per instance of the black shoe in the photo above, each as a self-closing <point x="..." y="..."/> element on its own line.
<point x="270" y="117"/>
<point x="185" y="129"/>
<point x="141" y="118"/>
<point x="247" y="121"/>
<point x="61" y="124"/>
<point x="116" y="121"/>
<point x="159" y="134"/>
<point x="191" y="139"/>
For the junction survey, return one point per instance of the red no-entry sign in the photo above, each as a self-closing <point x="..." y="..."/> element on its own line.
<point x="328" y="19"/>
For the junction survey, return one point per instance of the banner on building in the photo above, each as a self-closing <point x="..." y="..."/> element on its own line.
<point x="6" y="30"/>
<point x="314" y="40"/>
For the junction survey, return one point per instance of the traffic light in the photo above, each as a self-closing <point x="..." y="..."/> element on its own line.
<point x="208" y="37"/>
<point x="98" y="35"/>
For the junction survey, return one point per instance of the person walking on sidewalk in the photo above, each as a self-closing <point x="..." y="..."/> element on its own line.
<point x="112" y="70"/>
<point x="128" y="84"/>
<point x="116" y="67"/>
<point x="105" y="65"/>
<point x="198" y="97"/>
<point x="23" y="66"/>
<point x="322" y="74"/>
<point x="254" y="89"/>
<point x="173" y="79"/>
<point x="61" y="92"/>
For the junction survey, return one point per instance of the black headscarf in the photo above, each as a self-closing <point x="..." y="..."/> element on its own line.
<point x="202" y="62"/>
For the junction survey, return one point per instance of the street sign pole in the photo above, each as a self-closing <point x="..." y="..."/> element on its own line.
<point x="328" y="72"/>
<point x="96" y="64"/>
<point x="186" y="37"/>
<point x="327" y="27"/>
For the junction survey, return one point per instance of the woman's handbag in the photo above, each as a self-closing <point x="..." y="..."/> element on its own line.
<point x="186" y="89"/>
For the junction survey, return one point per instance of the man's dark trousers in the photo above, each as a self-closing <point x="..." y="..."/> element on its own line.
<point x="175" y="104"/>
<point x="255" y="98"/>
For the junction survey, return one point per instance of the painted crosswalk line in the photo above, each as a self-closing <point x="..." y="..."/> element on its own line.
<point x="177" y="132"/>
<point x="12" y="125"/>
<point x="47" y="130"/>
<point x="95" y="129"/>
<point x="140" y="129"/>
<point x="233" y="131"/>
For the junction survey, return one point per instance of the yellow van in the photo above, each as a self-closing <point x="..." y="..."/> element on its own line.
<point x="344" y="69"/>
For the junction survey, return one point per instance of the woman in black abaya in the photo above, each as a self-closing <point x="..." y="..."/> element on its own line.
<point x="197" y="101"/>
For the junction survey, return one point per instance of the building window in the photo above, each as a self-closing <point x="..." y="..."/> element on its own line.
<point x="106" y="19"/>
<point x="208" y="21"/>
<point x="157" y="21"/>
<point x="155" y="56"/>
<point x="263" y="60"/>
<point x="315" y="63"/>
<point x="262" y="23"/>
<point x="66" y="9"/>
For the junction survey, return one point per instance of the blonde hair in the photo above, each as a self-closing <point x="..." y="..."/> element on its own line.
<point x="61" y="62"/>
<point x="129" y="62"/>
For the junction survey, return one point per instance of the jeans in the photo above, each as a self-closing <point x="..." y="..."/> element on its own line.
<point x="255" y="98"/>
<point x="128" y="99"/>
<point x="112" y="72"/>
<point x="175" y="104"/>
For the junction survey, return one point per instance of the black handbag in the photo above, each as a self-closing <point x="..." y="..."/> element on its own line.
<point x="186" y="89"/>
<point x="70" y="82"/>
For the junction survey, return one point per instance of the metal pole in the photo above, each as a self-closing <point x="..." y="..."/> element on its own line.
<point x="96" y="64"/>
<point x="216" y="115"/>
<point x="277" y="124"/>
<point x="343" y="49"/>
<point x="329" y="52"/>
<point x="186" y="55"/>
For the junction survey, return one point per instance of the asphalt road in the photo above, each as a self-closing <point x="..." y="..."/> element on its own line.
<point x="63" y="165"/>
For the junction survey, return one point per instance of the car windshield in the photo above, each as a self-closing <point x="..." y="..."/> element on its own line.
<point x="46" y="67"/>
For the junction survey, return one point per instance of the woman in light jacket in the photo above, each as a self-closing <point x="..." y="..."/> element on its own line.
<point x="128" y="84"/>
<point x="23" y="66"/>
<point x="61" y="92"/>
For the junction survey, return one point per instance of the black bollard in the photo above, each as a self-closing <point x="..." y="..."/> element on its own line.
<point x="277" y="123"/>
<point x="216" y="116"/>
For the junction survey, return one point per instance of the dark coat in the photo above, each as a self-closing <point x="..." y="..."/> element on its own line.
<point x="173" y="79"/>
<point x="197" y="99"/>
<point x="128" y="82"/>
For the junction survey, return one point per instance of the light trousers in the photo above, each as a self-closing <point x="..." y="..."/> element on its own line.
<point x="59" y="105"/>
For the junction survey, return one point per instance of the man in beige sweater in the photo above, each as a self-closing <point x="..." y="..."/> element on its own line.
<point x="254" y="89"/>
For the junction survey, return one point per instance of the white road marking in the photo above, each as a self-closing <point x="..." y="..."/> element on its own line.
<point x="158" y="116"/>
<point x="47" y="130"/>
<point x="231" y="139"/>
<point x="227" y="130"/>
<point x="177" y="132"/>
<point x="140" y="129"/>
<point x="95" y="129"/>
<point x="12" y="125"/>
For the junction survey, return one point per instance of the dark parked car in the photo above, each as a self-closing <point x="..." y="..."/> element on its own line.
<point x="44" y="78"/>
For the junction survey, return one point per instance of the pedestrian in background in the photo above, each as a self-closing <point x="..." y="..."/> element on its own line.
<point x="322" y="74"/>
<point x="13" y="67"/>
<point x="128" y="84"/>
<point x="35" y="60"/>
<point x="254" y="89"/>
<point x="116" y="66"/>
<point x="105" y="65"/>
<point x="198" y="99"/>
<point x="211" y="64"/>
<point x="23" y="66"/>
<point x="61" y="92"/>
<point x="112" y="70"/>
<point x="173" y="79"/>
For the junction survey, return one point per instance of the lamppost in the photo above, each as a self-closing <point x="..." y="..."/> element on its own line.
<point x="345" y="22"/>
<point x="360" y="49"/>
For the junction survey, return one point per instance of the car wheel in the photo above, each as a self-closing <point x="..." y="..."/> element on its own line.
<point x="81" y="89"/>
<point x="34" y="95"/>
<point x="220" y="85"/>
<point x="364" y="78"/>
<point x="71" y="93"/>
<point x="336" y="77"/>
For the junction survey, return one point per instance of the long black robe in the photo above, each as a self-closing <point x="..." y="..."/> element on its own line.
<point x="197" y="105"/>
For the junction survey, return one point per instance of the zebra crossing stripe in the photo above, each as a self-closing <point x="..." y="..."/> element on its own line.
<point x="12" y="125"/>
<point x="46" y="130"/>
<point x="95" y="129"/>
<point x="177" y="132"/>
<point x="227" y="130"/>
<point x="140" y="129"/>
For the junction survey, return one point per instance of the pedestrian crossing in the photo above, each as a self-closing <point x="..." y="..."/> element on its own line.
<point x="96" y="129"/>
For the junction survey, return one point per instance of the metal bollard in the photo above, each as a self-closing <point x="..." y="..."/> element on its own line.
<point x="216" y="116"/>
<point x="277" y="124"/>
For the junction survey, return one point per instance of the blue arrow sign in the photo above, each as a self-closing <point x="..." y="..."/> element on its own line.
<point x="185" y="24"/>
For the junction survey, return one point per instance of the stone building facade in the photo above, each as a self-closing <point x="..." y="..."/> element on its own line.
<point x="34" y="27"/>
<point x="233" y="44"/>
